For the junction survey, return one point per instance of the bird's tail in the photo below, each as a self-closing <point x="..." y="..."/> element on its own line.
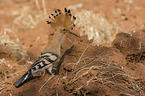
<point x="62" y="22"/>
<point x="22" y="79"/>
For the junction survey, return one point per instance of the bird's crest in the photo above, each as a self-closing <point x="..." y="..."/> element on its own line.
<point x="62" y="21"/>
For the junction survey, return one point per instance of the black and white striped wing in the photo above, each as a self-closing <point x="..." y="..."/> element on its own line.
<point x="44" y="61"/>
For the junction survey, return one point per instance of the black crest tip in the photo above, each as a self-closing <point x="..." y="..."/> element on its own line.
<point x="48" y="22"/>
<point x="68" y="11"/>
<point x="65" y="10"/>
<point x="58" y="10"/>
<point x="74" y="17"/>
<point x="74" y="25"/>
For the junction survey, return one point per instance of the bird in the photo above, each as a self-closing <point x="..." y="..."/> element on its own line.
<point x="62" y="23"/>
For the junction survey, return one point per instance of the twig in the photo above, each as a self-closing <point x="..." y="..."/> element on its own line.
<point x="44" y="7"/>
<point x="37" y="5"/>
<point x="46" y="83"/>
<point x="31" y="19"/>
<point x="81" y="57"/>
<point x="56" y="92"/>
<point x="80" y="75"/>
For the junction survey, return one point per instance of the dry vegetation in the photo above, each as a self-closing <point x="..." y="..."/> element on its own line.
<point x="96" y="27"/>
<point x="83" y="74"/>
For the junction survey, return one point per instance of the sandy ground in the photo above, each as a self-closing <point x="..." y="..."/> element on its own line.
<point x="87" y="70"/>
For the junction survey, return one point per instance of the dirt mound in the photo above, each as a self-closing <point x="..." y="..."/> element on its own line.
<point x="132" y="46"/>
<point x="88" y="70"/>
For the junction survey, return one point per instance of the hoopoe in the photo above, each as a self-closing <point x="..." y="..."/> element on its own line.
<point x="62" y="23"/>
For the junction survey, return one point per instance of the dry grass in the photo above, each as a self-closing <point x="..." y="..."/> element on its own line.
<point x="22" y="17"/>
<point x="6" y="74"/>
<point x="7" y="68"/>
<point x="90" y="73"/>
<point x="100" y="75"/>
<point x="15" y="48"/>
<point x="3" y="76"/>
<point x="26" y="17"/>
<point x="96" y="27"/>
<point x="93" y="76"/>
<point x="95" y="73"/>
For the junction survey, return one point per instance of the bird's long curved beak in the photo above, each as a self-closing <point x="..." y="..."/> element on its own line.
<point x="73" y="33"/>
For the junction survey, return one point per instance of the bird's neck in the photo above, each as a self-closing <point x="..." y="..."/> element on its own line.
<point x="58" y="39"/>
<point x="54" y="45"/>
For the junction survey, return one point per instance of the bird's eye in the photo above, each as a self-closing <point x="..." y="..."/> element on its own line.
<point x="63" y="29"/>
